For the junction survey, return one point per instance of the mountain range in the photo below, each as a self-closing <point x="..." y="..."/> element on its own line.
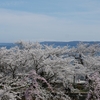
<point x="54" y="43"/>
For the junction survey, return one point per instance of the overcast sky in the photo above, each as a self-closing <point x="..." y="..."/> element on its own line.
<point x="49" y="20"/>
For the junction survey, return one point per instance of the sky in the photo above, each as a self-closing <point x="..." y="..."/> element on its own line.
<point x="49" y="20"/>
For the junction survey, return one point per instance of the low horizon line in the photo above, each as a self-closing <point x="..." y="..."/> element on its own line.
<point x="54" y="41"/>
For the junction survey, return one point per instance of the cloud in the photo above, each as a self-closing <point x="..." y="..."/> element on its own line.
<point x="16" y="25"/>
<point x="28" y="23"/>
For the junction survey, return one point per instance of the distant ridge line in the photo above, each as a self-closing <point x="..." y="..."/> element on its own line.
<point x="54" y="43"/>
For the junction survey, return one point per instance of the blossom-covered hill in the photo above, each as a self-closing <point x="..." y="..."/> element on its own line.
<point x="33" y="71"/>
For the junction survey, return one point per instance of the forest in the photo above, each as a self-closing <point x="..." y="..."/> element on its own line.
<point x="32" y="71"/>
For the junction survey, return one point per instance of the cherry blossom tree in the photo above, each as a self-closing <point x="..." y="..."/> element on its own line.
<point x="32" y="70"/>
<point x="94" y="86"/>
<point x="48" y="62"/>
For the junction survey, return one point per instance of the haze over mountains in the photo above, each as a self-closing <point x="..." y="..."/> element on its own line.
<point x="71" y="43"/>
<point x="54" y="43"/>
